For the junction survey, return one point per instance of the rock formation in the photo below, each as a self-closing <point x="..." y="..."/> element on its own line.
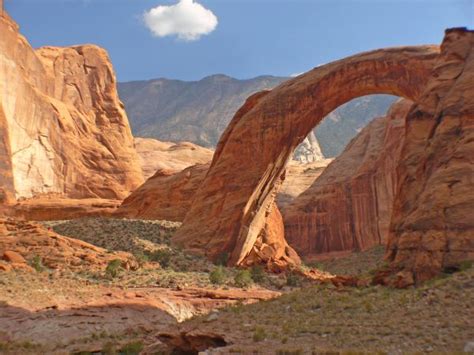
<point x="350" y="205"/>
<point x="167" y="195"/>
<point x="433" y="216"/>
<point x="67" y="130"/>
<point x="50" y="208"/>
<point x="309" y="151"/>
<point x="20" y="242"/>
<point x="167" y="156"/>
<point x="7" y="190"/>
<point x="298" y="178"/>
<point x="230" y="210"/>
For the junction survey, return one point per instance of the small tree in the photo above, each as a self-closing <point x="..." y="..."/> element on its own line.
<point x="163" y="256"/>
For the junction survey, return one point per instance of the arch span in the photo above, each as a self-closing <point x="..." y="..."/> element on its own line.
<point x="231" y="208"/>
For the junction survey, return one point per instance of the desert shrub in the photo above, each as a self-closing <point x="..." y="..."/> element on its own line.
<point x="133" y="348"/>
<point x="217" y="276"/>
<point x="162" y="256"/>
<point x="141" y="258"/>
<point x="243" y="278"/>
<point x="37" y="263"/>
<point x="259" y="334"/>
<point x="113" y="268"/>
<point x="258" y="273"/>
<point x="293" y="279"/>
<point x="465" y="265"/>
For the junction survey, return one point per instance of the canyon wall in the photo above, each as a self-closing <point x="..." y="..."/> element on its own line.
<point x="432" y="225"/>
<point x="350" y="205"/>
<point x="67" y="129"/>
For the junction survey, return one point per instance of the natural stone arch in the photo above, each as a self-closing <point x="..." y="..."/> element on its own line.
<point x="231" y="207"/>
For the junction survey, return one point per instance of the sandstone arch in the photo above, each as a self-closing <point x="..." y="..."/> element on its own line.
<point x="230" y="209"/>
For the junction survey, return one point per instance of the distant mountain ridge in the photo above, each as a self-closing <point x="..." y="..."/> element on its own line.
<point x="199" y="111"/>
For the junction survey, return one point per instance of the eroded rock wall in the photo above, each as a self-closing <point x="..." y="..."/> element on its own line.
<point x="433" y="220"/>
<point x="68" y="131"/>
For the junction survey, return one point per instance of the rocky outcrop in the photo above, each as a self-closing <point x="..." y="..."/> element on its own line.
<point x="67" y="128"/>
<point x="433" y="216"/>
<point x="350" y="205"/>
<point x="309" y="151"/>
<point x="28" y="241"/>
<point x="167" y="156"/>
<point x="51" y="208"/>
<point x="298" y="178"/>
<point x="230" y="210"/>
<point x="167" y="195"/>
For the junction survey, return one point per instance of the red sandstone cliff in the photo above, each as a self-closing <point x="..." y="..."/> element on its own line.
<point x="433" y="216"/>
<point x="62" y="121"/>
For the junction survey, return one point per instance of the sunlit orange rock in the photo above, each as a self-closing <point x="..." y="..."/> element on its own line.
<point x="67" y="129"/>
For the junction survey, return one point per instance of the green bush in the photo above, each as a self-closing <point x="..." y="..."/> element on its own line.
<point x="293" y="279"/>
<point x="37" y="263"/>
<point x="217" y="276"/>
<point x="258" y="273"/>
<point x="132" y="348"/>
<point x="243" y="278"/>
<point x="113" y="268"/>
<point x="141" y="258"/>
<point x="162" y="256"/>
<point x="259" y="334"/>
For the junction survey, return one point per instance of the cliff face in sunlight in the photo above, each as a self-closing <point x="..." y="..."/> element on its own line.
<point x="62" y="122"/>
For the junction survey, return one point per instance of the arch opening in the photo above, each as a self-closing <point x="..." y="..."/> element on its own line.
<point x="236" y="199"/>
<point x="347" y="205"/>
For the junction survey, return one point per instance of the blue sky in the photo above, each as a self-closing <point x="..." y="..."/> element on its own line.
<point x="251" y="38"/>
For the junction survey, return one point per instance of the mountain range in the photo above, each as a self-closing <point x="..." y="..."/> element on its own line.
<point x="199" y="111"/>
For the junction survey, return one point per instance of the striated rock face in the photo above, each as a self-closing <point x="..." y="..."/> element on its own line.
<point x="433" y="217"/>
<point x="7" y="190"/>
<point x="67" y="129"/>
<point x="230" y="210"/>
<point x="166" y="195"/>
<point x="172" y="157"/>
<point x="350" y="205"/>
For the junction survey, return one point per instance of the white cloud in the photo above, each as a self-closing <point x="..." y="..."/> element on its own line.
<point x="188" y="20"/>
